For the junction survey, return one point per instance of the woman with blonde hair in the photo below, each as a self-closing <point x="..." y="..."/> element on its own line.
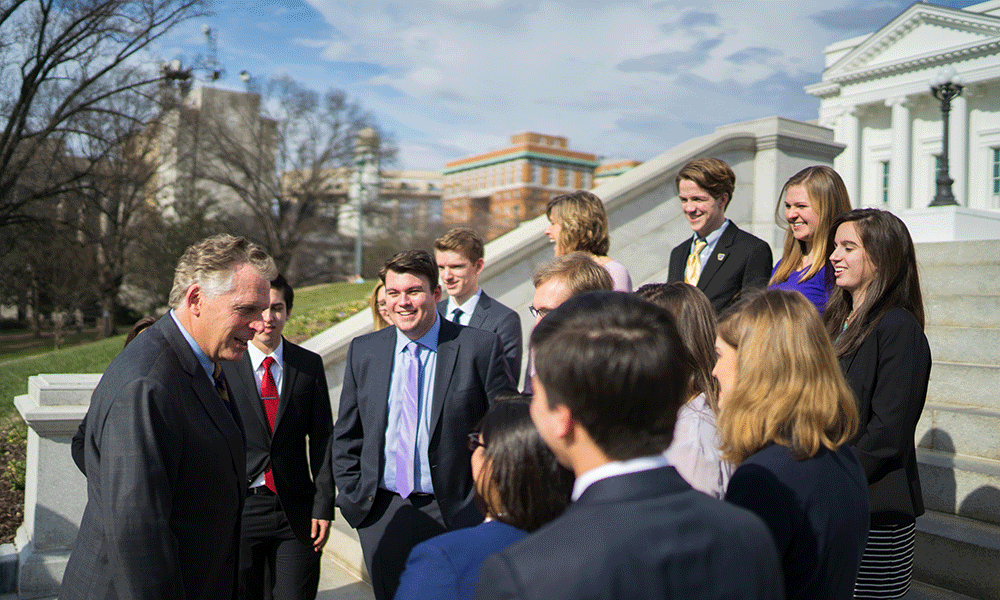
<point x="813" y="198"/>
<point x="579" y="223"/>
<point x="785" y="417"/>
<point x="694" y="451"/>
<point x="376" y="302"/>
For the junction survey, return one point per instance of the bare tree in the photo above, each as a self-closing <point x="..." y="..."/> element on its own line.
<point x="59" y="64"/>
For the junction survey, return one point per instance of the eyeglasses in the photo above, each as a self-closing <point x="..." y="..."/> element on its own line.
<point x="538" y="313"/>
<point x="474" y="442"/>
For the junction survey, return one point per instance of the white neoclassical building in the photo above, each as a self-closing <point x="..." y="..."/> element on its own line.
<point x="876" y="96"/>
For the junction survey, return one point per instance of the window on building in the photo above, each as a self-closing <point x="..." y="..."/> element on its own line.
<point x="885" y="182"/>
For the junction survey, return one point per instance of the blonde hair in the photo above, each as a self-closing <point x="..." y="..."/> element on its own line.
<point x="828" y="198"/>
<point x="583" y="221"/>
<point x="212" y="263"/>
<point x="377" y="319"/>
<point x="788" y="389"/>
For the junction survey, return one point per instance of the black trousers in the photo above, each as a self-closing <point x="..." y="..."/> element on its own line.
<point x="273" y="562"/>
<point x="393" y="527"/>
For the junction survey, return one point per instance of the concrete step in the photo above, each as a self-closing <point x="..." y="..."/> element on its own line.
<point x="962" y="311"/>
<point x="964" y="344"/>
<point x="925" y="591"/>
<point x="344" y="548"/>
<point x="960" y="485"/>
<point x="980" y="280"/>
<point x="965" y="385"/>
<point x="964" y="430"/>
<point x="958" y="554"/>
<point x="981" y="252"/>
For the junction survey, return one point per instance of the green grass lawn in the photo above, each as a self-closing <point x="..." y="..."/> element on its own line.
<point x="315" y="309"/>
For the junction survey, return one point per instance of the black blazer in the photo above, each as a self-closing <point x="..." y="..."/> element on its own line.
<point x="740" y="261"/>
<point x="470" y="372"/>
<point x="305" y="487"/>
<point x="501" y="320"/>
<point x="165" y="479"/>
<point x="888" y="374"/>
<point x="641" y="535"/>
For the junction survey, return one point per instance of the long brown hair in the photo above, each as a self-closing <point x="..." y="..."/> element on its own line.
<point x="828" y="197"/>
<point x="887" y="244"/>
<point x="788" y="389"/>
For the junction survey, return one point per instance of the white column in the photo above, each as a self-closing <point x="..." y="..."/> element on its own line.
<point x="899" y="163"/>
<point x="848" y="164"/>
<point x="958" y="149"/>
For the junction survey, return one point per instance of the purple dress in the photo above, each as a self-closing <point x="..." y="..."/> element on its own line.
<point x="813" y="288"/>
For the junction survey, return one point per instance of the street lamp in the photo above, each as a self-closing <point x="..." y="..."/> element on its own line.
<point x="946" y="87"/>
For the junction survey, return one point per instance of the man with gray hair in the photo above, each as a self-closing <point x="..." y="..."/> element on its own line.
<point x="164" y="449"/>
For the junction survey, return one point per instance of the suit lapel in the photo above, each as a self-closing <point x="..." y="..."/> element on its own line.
<point x="250" y="391"/>
<point x="447" y="356"/>
<point x="722" y="248"/>
<point x="288" y="374"/>
<point x="379" y="379"/>
<point x="479" y="315"/>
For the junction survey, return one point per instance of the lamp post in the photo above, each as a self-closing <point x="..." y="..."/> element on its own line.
<point x="946" y="87"/>
<point x="365" y="147"/>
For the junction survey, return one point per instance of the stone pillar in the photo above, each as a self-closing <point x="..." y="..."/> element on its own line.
<point x="848" y="164"/>
<point x="958" y="149"/>
<point x="55" y="491"/>
<point x="899" y="162"/>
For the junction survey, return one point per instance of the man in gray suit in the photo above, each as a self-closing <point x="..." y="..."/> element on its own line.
<point x="411" y="394"/>
<point x="164" y="448"/>
<point x="459" y="257"/>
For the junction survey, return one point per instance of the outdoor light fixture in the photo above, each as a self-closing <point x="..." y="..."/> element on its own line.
<point x="946" y="86"/>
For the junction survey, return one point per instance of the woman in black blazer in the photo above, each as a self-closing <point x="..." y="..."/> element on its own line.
<point x="785" y="417"/>
<point x="876" y="316"/>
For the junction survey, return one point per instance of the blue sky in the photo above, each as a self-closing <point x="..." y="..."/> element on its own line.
<point x="625" y="79"/>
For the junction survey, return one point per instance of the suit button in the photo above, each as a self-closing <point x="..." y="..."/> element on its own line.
<point x="371" y="497"/>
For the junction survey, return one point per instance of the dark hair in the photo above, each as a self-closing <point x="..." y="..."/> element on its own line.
<point x="887" y="244"/>
<point x="416" y="262"/>
<point x="619" y="365"/>
<point x="695" y="319"/>
<point x="281" y="284"/>
<point x="138" y="328"/>
<point x="462" y="240"/>
<point x="710" y="174"/>
<point x="520" y="472"/>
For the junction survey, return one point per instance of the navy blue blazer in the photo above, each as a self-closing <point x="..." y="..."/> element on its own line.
<point x="817" y="510"/>
<point x="740" y="261"/>
<point x="640" y="535"/>
<point x="501" y="320"/>
<point x="446" y="567"/>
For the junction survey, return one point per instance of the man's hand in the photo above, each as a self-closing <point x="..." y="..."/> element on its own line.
<point x="320" y="532"/>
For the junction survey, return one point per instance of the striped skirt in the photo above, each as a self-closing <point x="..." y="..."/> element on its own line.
<point x="887" y="564"/>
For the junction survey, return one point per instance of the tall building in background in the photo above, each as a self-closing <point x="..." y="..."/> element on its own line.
<point x="495" y="191"/>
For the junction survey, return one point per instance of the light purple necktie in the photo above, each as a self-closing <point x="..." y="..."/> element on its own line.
<point x="406" y="436"/>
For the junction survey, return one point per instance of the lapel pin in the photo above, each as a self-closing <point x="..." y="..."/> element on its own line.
<point x="720" y="256"/>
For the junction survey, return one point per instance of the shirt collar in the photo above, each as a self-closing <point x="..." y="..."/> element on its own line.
<point x="206" y="362"/>
<point x="615" y="468"/>
<point x="429" y="340"/>
<point x="467" y="307"/>
<point x="257" y="355"/>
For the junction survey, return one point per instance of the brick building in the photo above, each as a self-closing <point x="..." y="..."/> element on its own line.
<point x="495" y="191"/>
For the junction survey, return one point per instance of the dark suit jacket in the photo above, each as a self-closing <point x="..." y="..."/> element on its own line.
<point x="493" y="316"/>
<point x="745" y="264"/>
<point x="165" y="479"/>
<point x="888" y="374"/>
<point x="641" y="535"/>
<point x="305" y="488"/>
<point x="470" y="372"/>
<point x="817" y="511"/>
<point x="446" y="567"/>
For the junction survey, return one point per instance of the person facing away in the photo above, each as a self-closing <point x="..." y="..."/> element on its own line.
<point x="519" y="487"/>
<point x="786" y="415"/>
<point x="459" y="257"/>
<point x="612" y="372"/>
<point x="280" y="391"/>
<point x="164" y="449"/>
<point x="813" y="198"/>
<point x="410" y="395"/>
<point x="720" y="259"/>
<point x="579" y="223"/>
<point x="695" y="451"/>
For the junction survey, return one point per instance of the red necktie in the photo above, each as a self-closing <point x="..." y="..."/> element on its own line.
<point x="269" y="395"/>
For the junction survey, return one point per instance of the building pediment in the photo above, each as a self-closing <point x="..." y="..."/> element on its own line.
<point x="921" y="37"/>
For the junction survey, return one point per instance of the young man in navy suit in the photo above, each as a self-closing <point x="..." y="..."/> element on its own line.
<point x="611" y="375"/>
<point x="720" y="258"/>
<point x="459" y="257"/>
<point x="280" y="391"/>
<point x="410" y="397"/>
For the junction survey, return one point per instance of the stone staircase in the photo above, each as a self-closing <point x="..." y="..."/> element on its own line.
<point x="958" y="437"/>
